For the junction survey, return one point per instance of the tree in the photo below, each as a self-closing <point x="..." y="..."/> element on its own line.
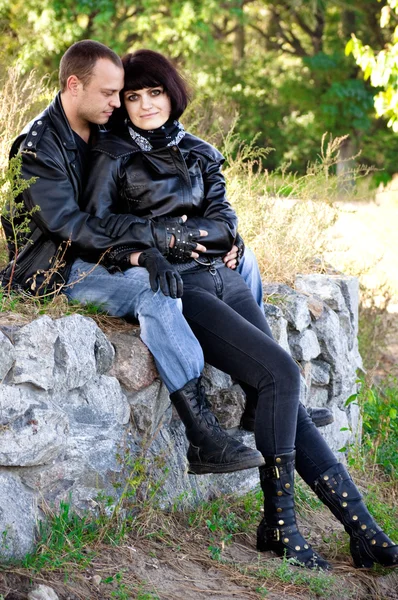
<point x="279" y="64"/>
<point x="381" y="68"/>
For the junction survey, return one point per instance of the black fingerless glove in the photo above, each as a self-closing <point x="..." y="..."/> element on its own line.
<point x="240" y="244"/>
<point x="161" y="273"/>
<point x="185" y="242"/>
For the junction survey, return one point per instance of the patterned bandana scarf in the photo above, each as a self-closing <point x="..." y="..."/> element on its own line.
<point x="169" y="134"/>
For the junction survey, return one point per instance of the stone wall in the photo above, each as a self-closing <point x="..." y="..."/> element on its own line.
<point x="74" y="403"/>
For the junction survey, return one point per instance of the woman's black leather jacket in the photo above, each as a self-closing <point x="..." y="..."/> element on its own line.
<point x="170" y="181"/>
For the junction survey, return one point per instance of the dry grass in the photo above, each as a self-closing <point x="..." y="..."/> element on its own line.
<point x="283" y="217"/>
<point x="22" y="97"/>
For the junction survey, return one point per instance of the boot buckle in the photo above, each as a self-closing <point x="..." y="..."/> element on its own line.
<point x="277" y="535"/>
<point x="273" y="535"/>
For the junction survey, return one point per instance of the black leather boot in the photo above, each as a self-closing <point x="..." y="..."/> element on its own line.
<point x="321" y="416"/>
<point x="368" y="543"/>
<point x="211" y="449"/>
<point x="278" y="530"/>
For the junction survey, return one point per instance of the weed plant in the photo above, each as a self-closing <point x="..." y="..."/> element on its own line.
<point x="379" y="409"/>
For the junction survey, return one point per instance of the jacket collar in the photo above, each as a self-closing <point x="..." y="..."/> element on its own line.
<point x="60" y="123"/>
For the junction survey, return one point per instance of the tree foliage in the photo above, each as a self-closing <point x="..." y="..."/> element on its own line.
<point x="381" y="67"/>
<point x="280" y="64"/>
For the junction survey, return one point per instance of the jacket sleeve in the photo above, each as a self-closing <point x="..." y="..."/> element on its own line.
<point x="60" y="217"/>
<point x="218" y="219"/>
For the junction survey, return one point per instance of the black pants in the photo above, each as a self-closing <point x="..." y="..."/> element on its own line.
<point x="236" y="339"/>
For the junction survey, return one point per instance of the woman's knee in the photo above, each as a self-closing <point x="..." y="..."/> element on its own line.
<point x="286" y="369"/>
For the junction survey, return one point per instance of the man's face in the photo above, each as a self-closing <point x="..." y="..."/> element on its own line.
<point x="97" y="99"/>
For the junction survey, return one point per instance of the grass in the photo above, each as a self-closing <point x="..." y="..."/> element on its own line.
<point x="216" y="535"/>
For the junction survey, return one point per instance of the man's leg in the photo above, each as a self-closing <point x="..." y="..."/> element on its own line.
<point x="248" y="269"/>
<point x="164" y="330"/>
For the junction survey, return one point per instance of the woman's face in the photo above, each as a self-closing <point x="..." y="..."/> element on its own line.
<point x="148" y="108"/>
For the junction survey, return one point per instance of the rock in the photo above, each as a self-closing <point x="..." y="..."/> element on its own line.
<point x="214" y="380"/>
<point x="96" y="579"/>
<point x="315" y="306"/>
<point x="328" y="332"/>
<point x="320" y="372"/>
<point x="42" y="592"/>
<point x="100" y="404"/>
<point x="326" y="288"/>
<point x="7" y="355"/>
<point x="303" y="391"/>
<point x="32" y="430"/>
<point x="318" y="396"/>
<point x="304" y="346"/>
<point x="34" y="353"/>
<point x="278" y="325"/>
<point x="149" y="406"/>
<point x="74" y="351"/>
<point x="306" y="372"/>
<point x="134" y="366"/>
<point x="17" y="517"/>
<point x="350" y="289"/>
<point x="104" y="352"/>
<point x="228" y="406"/>
<point x="293" y="305"/>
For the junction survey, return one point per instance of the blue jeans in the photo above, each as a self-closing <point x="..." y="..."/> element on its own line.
<point x="248" y="269"/>
<point x="164" y="330"/>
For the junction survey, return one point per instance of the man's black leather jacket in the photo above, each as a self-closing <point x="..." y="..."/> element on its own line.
<point x="165" y="182"/>
<point x="60" y="228"/>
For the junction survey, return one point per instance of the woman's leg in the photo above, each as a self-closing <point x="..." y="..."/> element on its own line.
<point x="250" y="273"/>
<point x="244" y="351"/>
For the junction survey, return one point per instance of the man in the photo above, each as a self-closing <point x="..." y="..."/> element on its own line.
<point x="53" y="150"/>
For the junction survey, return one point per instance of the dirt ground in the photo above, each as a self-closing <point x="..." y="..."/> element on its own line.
<point x="183" y="570"/>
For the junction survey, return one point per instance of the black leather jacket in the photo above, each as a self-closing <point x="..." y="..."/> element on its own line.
<point x="170" y="181"/>
<point x="60" y="231"/>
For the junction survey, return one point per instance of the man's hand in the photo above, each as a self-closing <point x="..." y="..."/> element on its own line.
<point x="172" y="226"/>
<point x="184" y="242"/>
<point x="231" y="258"/>
<point x="161" y="272"/>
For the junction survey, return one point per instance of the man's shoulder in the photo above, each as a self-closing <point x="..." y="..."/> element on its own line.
<point x="31" y="135"/>
<point x="192" y="143"/>
<point x="47" y="132"/>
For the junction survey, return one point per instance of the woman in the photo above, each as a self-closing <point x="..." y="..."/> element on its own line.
<point x="152" y="168"/>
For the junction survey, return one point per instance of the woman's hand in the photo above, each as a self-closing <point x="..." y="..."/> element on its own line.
<point x="198" y="248"/>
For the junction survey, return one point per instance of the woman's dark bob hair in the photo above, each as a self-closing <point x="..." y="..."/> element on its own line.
<point x="146" y="69"/>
